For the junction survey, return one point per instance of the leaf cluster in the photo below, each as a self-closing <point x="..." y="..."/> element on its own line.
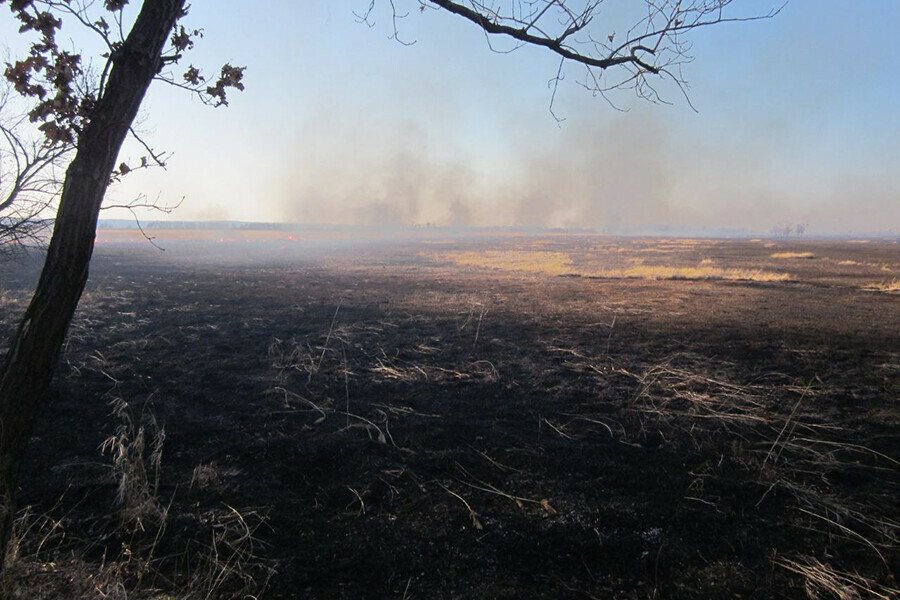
<point x="48" y="75"/>
<point x="64" y="89"/>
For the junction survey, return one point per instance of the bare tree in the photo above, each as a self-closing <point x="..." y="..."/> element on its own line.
<point x="96" y="118"/>
<point x="31" y="173"/>
<point x="784" y="230"/>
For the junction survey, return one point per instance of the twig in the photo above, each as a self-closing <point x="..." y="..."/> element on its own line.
<point x="609" y="339"/>
<point x="478" y="328"/>
<point x="472" y="514"/>
<point x="328" y="337"/>
<point x="786" y="423"/>
<point x="346" y="381"/>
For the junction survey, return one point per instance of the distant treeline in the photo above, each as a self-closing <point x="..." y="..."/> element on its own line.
<point x="254" y="226"/>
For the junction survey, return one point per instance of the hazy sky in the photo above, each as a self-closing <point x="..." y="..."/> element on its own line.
<point x="797" y="123"/>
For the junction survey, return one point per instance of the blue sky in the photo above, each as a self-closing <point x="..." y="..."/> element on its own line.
<point x="796" y="123"/>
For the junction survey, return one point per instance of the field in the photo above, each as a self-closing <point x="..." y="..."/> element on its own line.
<point x="553" y="416"/>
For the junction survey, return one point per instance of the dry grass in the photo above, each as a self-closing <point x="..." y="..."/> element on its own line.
<point x="701" y="271"/>
<point x="789" y="450"/>
<point x="891" y="287"/>
<point x="225" y="565"/>
<point x="230" y="566"/>
<point x="772" y="429"/>
<point x="561" y="263"/>
<point x="822" y="581"/>
<point x="544" y="262"/>
<point x="136" y="451"/>
<point x="671" y="392"/>
<point x="44" y="561"/>
<point x="806" y="255"/>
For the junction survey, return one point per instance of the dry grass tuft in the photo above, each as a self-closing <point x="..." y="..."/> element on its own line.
<point x="673" y="394"/>
<point x="823" y="581"/>
<point x="700" y="272"/>
<point x="230" y="566"/>
<point x="793" y="255"/>
<point x="891" y="287"/>
<point x="44" y="561"/>
<point x="136" y="450"/>
<point x="789" y="450"/>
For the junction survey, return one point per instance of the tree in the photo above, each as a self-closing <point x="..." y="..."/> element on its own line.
<point x="97" y="119"/>
<point x="30" y="178"/>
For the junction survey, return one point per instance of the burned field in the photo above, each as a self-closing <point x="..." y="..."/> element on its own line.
<point x="546" y="417"/>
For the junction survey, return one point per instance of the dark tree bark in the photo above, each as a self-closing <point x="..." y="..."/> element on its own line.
<point x="34" y="351"/>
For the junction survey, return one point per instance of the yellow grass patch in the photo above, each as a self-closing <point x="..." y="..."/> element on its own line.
<point x="695" y="273"/>
<point x="793" y="255"/>
<point x="549" y="263"/>
<point x="892" y="286"/>
<point x="560" y="263"/>
<point x="887" y="267"/>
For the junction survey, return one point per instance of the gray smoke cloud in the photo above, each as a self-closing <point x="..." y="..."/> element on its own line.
<point x="356" y="171"/>
<point x="610" y="171"/>
<point x="610" y="174"/>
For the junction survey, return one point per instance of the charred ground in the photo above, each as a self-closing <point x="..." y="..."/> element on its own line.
<point x="595" y="418"/>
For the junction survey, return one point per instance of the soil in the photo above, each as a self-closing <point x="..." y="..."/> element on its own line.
<point x="380" y="422"/>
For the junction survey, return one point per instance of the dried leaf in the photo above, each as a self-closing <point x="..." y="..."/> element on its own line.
<point x="545" y="504"/>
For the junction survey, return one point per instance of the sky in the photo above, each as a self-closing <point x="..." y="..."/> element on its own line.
<point x="791" y="120"/>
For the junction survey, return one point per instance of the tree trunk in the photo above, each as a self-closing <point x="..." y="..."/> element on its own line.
<point x="34" y="350"/>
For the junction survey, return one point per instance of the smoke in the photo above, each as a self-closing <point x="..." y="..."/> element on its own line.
<point x="610" y="174"/>
<point x="606" y="170"/>
<point x="364" y="170"/>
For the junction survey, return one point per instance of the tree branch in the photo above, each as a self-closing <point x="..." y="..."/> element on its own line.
<point x="653" y="44"/>
<point x="494" y="26"/>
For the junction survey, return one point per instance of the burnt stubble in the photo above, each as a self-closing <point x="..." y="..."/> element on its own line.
<point x="573" y="416"/>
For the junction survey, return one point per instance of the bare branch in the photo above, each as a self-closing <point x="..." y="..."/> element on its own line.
<point x="158" y="158"/>
<point x="653" y="48"/>
<point x="30" y="178"/>
<point x="493" y="24"/>
<point x="141" y="202"/>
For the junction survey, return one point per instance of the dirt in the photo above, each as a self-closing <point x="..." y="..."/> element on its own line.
<point x="379" y="422"/>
